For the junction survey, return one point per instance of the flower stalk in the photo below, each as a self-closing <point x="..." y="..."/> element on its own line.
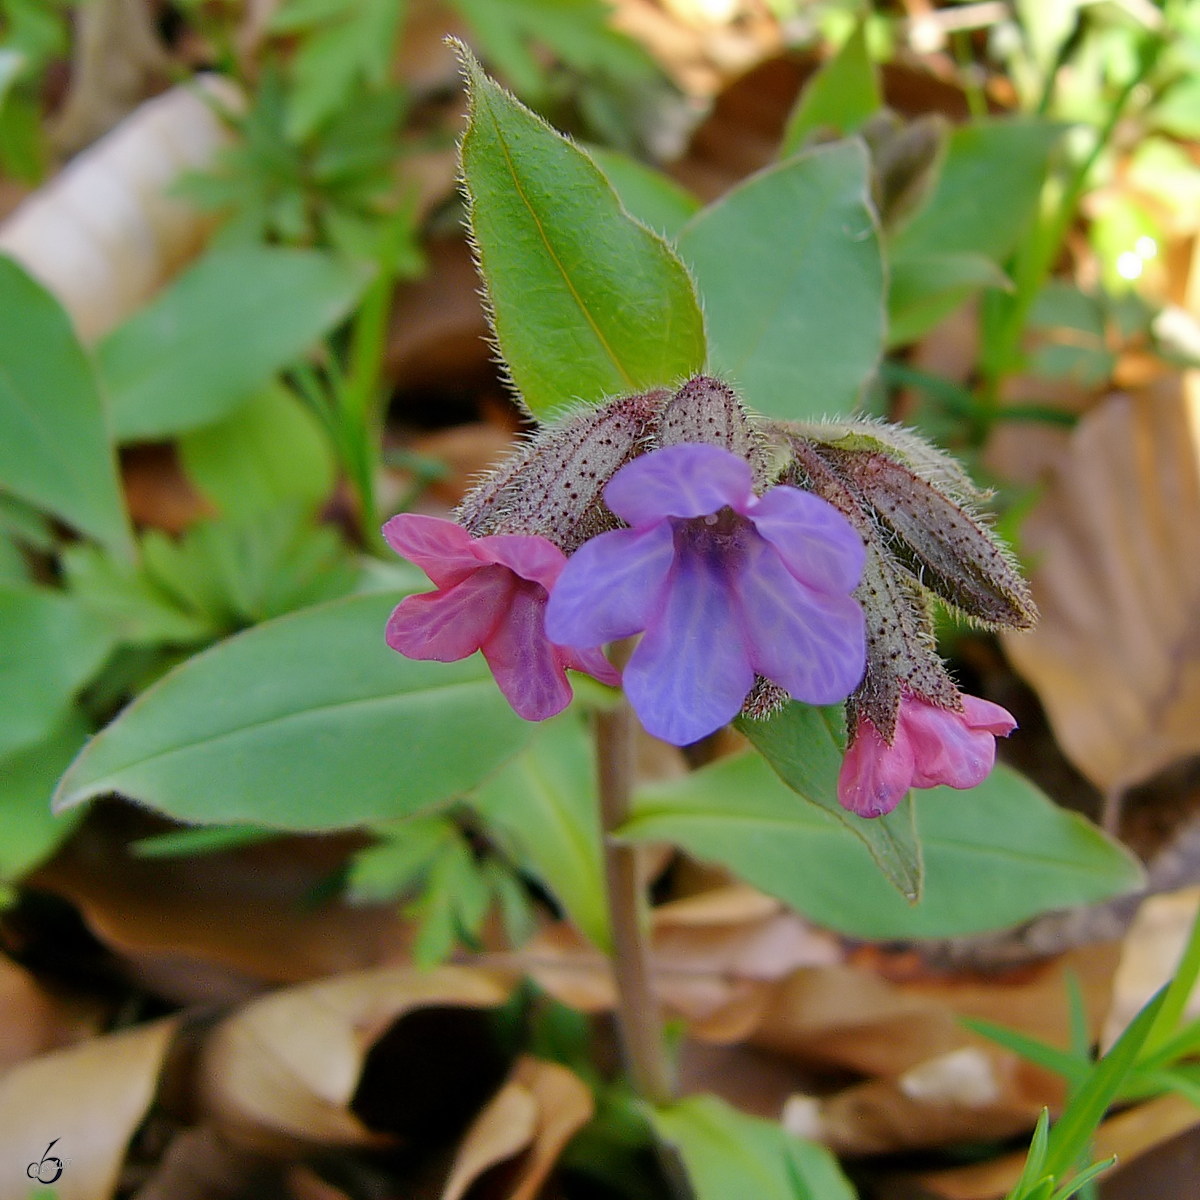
<point x="638" y="1015"/>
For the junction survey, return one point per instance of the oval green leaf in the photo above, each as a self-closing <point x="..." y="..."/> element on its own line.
<point x="729" y="1154"/>
<point x="218" y="333"/>
<point x="804" y="746"/>
<point x="55" y="450"/>
<point x="585" y="301"/>
<point x="790" y="268"/>
<point x="994" y="855"/>
<point x="305" y="722"/>
<point x="544" y="804"/>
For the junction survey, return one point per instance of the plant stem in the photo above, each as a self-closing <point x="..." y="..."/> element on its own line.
<point x="637" y="1009"/>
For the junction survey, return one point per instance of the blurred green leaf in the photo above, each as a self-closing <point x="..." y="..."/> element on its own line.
<point x="654" y="198"/>
<point x="840" y="96"/>
<point x="923" y="290"/>
<point x="804" y="746"/>
<point x="48" y="651"/>
<point x="343" y="43"/>
<point x="586" y="303"/>
<point x="986" y="193"/>
<point x="579" y="32"/>
<point x="729" y="1154"/>
<point x="994" y="855"/>
<point x="789" y="266"/>
<point x="211" y="839"/>
<point x="544" y="805"/>
<point x="124" y="599"/>
<point x="270" y="452"/>
<point x="389" y="868"/>
<point x="305" y="722"/>
<point x="218" y="333"/>
<point x="29" y="831"/>
<point x="55" y="450"/>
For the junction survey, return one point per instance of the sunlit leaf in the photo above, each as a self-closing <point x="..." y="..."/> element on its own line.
<point x="586" y="303"/>
<point x="789" y="266"/>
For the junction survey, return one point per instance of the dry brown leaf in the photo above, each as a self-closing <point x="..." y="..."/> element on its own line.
<point x="565" y="1106"/>
<point x="238" y="916"/>
<point x="305" y="1184"/>
<point x="1127" y="1135"/>
<point x="712" y="957"/>
<point x="501" y="1131"/>
<point x="851" y="1016"/>
<point x="32" y="1021"/>
<point x="1150" y="956"/>
<point x="103" y="235"/>
<point x="87" y="1099"/>
<point x="973" y="1093"/>
<point x="1115" y="544"/>
<point x="281" y="1072"/>
<point x="200" y="1165"/>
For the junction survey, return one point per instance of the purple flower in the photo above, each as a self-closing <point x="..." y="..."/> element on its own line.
<point x="491" y="596"/>
<point x="726" y="585"/>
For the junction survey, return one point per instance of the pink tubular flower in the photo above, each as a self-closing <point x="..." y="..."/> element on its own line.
<point x="932" y="746"/>
<point x="491" y="596"/>
<point x="726" y="585"/>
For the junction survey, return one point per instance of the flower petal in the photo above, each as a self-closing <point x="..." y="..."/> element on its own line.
<point x="592" y="662"/>
<point x="817" y="544"/>
<point x="690" y="673"/>
<point x="812" y="644"/>
<point x="983" y="714"/>
<point x="528" y="555"/>
<point x="448" y="625"/>
<point x="446" y="552"/>
<point x="528" y="669"/>
<point x="691" y="480"/>
<point x="610" y="586"/>
<point x="945" y="750"/>
<point x="875" y="776"/>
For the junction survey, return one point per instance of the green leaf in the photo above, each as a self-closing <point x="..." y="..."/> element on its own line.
<point x="585" y="302"/>
<point x="840" y="96"/>
<point x="1072" y="1133"/>
<point x="544" y="803"/>
<point x="210" y="839"/>
<point x="790" y="269"/>
<point x="579" y="32"/>
<point x="654" y="198"/>
<point x="986" y="193"/>
<point x="49" y="650"/>
<point x="383" y="871"/>
<point x="29" y="831"/>
<point x="994" y="855"/>
<point x="925" y="289"/>
<point x="269" y="452"/>
<point x="348" y="43"/>
<point x="305" y="722"/>
<point x="1073" y="1067"/>
<point x="124" y="599"/>
<point x="729" y="1154"/>
<point x="804" y="746"/>
<point x="55" y="450"/>
<point x="218" y="333"/>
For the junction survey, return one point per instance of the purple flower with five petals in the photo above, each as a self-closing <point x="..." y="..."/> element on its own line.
<point x="491" y="596"/>
<point x="725" y="584"/>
